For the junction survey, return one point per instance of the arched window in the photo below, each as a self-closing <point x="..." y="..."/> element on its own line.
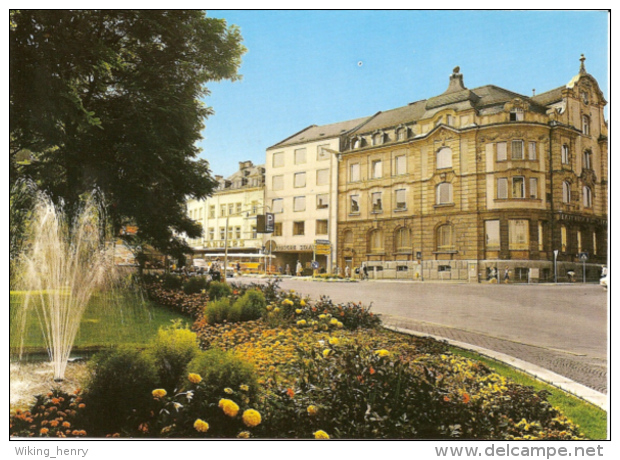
<point x="565" y="192"/>
<point x="376" y="241"/>
<point x="401" y="134"/>
<point x="377" y="139"/>
<point x="444" y="193"/>
<point x="403" y="240"/>
<point x="587" y="196"/>
<point x="587" y="159"/>
<point x="445" y="237"/>
<point x="357" y="143"/>
<point x="348" y="238"/>
<point x="565" y="154"/>
<point x="444" y="158"/>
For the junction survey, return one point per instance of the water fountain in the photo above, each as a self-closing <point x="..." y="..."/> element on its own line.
<point x="62" y="263"/>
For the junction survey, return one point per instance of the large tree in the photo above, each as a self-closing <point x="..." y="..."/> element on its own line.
<point x="112" y="99"/>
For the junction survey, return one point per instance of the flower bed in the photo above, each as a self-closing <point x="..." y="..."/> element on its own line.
<point x="311" y="369"/>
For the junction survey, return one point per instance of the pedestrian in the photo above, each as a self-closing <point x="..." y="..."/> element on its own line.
<point x="347" y="272"/>
<point x="365" y="270"/>
<point x="506" y="276"/>
<point x="299" y="269"/>
<point x="288" y="270"/>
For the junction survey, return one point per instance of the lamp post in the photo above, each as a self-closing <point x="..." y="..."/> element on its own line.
<point x="555" y="265"/>
<point x="333" y="212"/>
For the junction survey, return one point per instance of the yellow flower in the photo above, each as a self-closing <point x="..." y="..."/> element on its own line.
<point x="334" y="341"/>
<point x="334" y="322"/>
<point x="322" y="316"/>
<point x="201" y="426"/>
<point x="194" y="378"/>
<point x="301" y="322"/>
<point x="326" y="352"/>
<point x="244" y="388"/>
<point x="321" y="435"/>
<point x="299" y="311"/>
<point x="228" y="391"/>
<point x="312" y="411"/>
<point x="276" y="310"/>
<point x="251" y="418"/>
<point x="382" y="353"/>
<point x="160" y="393"/>
<point x="229" y="407"/>
<point x="244" y="435"/>
<point x="302" y="303"/>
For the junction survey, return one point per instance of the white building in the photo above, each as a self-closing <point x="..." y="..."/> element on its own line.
<point x="301" y="188"/>
<point x="230" y="217"/>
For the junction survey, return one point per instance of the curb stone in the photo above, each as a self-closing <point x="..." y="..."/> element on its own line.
<point x="576" y="389"/>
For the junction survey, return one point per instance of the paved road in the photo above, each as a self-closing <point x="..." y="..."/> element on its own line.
<point x="562" y="327"/>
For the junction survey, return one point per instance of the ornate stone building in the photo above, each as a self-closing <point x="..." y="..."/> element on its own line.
<point x="475" y="183"/>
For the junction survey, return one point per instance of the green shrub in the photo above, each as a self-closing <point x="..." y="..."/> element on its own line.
<point x="195" y="285"/>
<point x="252" y="305"/>
<point x="172" y="349"/>
<point x="222" y="310"/>
<point x="221" y="371"/>
<point x="171" y="282"/>
<point x="119" y="391"/>
<point x="219" y="290"/>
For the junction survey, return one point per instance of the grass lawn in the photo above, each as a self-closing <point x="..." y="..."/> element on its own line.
<point x="120" y="318"/>
<point x="591" y="419"/>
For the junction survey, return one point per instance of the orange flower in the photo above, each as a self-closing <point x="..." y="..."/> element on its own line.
<point x="466" y="398"/>
<point x="372" y="371"/>
<point x="290" y="393"/>
<point x="446" y="398"/>
<point x="44" y="431"/>
<point x="66" y="424"/>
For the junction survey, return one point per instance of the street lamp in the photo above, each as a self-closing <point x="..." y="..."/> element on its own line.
<point x="333" y="212"/>
<point x="555" y="265"/>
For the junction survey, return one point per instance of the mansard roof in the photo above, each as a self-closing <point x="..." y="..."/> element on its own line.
<point x="317" y="133"/>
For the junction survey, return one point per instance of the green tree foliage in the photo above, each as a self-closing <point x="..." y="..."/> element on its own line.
<point x="110" y="99"/>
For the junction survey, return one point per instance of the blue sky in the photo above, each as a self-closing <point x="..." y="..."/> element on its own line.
<point x="321" y="67"/>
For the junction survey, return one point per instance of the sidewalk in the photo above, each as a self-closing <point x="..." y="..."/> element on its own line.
<point x="577" y="374"/>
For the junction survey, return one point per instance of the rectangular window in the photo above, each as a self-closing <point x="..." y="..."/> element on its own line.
<point x="322" y="201"/>
<point x="517" y="150"/>
<point x="355" y="204"/>
<point x="531" y="151"/>
<point x="211" y="234"/>
<point x="322" y="177"/>
<point x="516" y="115"/>
<point x="278" y="160"/>
<point x="254" y="232"/>
<point x="492" y="234"/>
<point x="376" y="169"/>
<point x="231" y="209"/>
<point x="223" y="210"/>
<point x="541" y="237"/>
<point x="299" y="228"/>
<point x="239" y="207"/>
<point x="300" y="156"/>
<point x="300" y="180"/>
<point x="277" y="229"/>
<point x="277" y="206"/>
<point x="401" y="199"/>
<point x="564" y="238"/>
<point x="400" y="165"/>
<point x="277" y="183"/>
<point x="502" y="188"/>
<point x="587" y="160"/>
<point x="377" y="204"/>
<point x="238" y="233"/>
<point x="518" y="234"/>
<point x="211" y="212"/>
<point x="321" y="153"/>
<point x="222" y="233"/>
<point x="299" y="203"/>
<point x="230" y="233"/>
<point x="565" y="154"/>
<point x="449" y="120"/>
<point x="321" y="227"/>
<point x="579" y="247"/>
<point x="594" y="247"/>
<point x="518" y="187"/>
<point x="354" y="172"/>
<point x="502" y="150"/>
<point x="533" y="188"/>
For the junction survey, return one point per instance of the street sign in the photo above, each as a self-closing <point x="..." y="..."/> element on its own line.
<point x="322" y="247"/>
<point x="583" y="256"/>
<point x="418" y="255"/>
<point x="315" y="265"/>
<point x="265" y="223"/>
